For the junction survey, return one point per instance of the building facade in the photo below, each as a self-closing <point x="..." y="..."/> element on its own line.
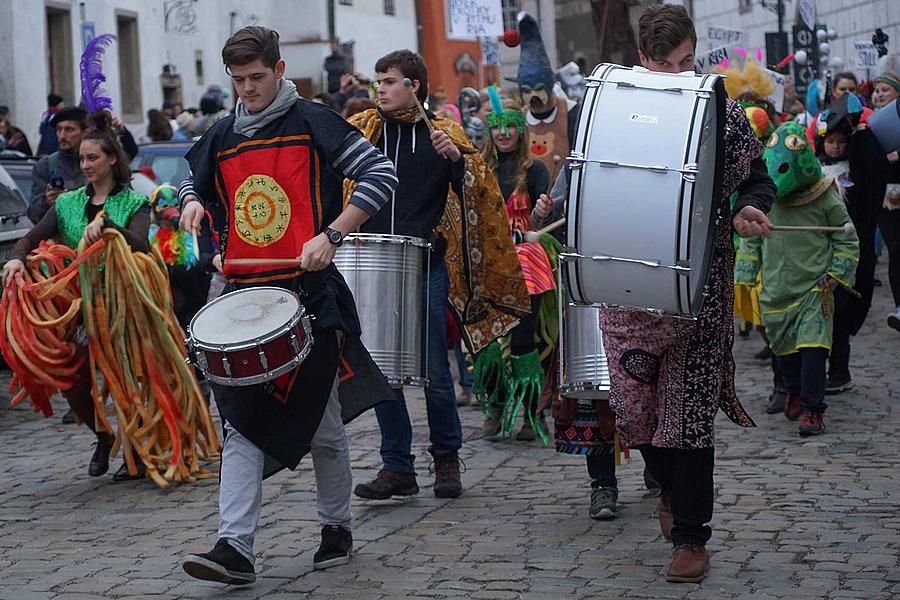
<point x="171" y="49"/>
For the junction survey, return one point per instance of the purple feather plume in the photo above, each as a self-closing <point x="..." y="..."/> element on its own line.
<point x="92" y="77"/>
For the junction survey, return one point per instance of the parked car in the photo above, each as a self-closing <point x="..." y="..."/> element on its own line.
<point x="163" y="162"/>
<point x="13" y="206"/>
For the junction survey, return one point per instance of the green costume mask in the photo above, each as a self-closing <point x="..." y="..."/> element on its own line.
<point x="503" y="119"/>
<point x="790" y="160"/>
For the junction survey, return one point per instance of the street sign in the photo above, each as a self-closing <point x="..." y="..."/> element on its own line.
<point x="88" y="32"/>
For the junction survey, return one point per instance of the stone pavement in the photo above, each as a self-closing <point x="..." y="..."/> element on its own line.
<point x="795" y="518"/>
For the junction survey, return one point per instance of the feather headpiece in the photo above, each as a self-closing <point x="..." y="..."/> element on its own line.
<point x="92" y="76"/>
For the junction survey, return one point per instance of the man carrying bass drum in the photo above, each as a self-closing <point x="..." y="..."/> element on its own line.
<point x="669" y="377"/>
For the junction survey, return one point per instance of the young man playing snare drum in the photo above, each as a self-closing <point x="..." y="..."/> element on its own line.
<point x="669" y="377"/>
<point x="277" y="167"/>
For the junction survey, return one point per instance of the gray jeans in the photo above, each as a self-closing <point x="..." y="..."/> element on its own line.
<point x="240" y="490"/>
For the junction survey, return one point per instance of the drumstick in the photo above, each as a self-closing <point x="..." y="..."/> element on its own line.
<point x="407" y="83"/>
<point x="847" y="228"/>
<point x="263" y="262"/>
<point x="196" y="246"/>
<point x="551" y="226"/>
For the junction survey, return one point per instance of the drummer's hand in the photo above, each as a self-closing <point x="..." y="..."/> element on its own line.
<point x="10" y="269"/>
<point x="444" y="146"/>
<point x="543" y="207"/>
<point x="192" y="214"/>
<point x="751" y="221"/>
<point x="317" y="253"/>
<point x="93" y="231"/>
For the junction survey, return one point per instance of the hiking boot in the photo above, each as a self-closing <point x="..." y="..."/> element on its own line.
<point x="812" y="423"/>
<point x="603" y="503"/>
<point x="69" y="417"/>
<point x="527" y="433"/>
<point x="99" y="464"/>
<point x="335" y="549"/>
<point x="387" y="484"/>
<point x="664" y="510"/>
<point x="893" y="319"/>
<point x="776" y="402"/>
<point x="793" y="406"/>
<point x="689" y="564"/>
<point x="446" y="473"/>
<point x="491" y="427"/>
<point x="837" y="383"/>
<point x="223" y="564"/>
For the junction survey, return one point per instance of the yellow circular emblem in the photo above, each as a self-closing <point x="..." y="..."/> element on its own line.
<point x="262" y="211"/>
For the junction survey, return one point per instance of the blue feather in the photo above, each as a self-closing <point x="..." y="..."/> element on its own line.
<point x="496" y="105"/>
<point x="92" y="77"/>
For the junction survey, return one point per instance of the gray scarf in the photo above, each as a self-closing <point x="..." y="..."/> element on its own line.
<point x="246" y="124"/>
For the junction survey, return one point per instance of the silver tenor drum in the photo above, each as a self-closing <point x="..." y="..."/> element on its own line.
<point x="387" y="275"/>
<point x="583" y="369"/>
<point x="642" y="203"/>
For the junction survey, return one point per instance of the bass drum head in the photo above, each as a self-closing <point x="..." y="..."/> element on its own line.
<point x="244" y="315"/>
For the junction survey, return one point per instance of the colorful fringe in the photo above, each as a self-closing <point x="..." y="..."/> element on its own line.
<point x="175" y="245"/>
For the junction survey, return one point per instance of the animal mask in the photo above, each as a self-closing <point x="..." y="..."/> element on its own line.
<point x="790" y="160"/>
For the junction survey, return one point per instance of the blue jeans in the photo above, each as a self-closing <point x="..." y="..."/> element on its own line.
<point x="804" y="374"/>
<point x="602" y="469"/>
<point x="465" y="377"/>
<point x="440" y="397"/>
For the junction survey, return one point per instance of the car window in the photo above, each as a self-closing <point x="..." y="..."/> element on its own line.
<point x="169" y="169"/>
<point x="23" y="182"/>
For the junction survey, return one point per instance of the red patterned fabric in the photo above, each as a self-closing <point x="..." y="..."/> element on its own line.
<point x="536" y="267"/>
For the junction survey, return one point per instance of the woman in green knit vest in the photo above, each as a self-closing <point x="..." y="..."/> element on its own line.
<point x="106" y="169"/>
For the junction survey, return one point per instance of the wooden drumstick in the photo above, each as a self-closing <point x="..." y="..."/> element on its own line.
<point x="196" y="246"/>
<point x="847" y="228"/>
<point x="407" y="83"/>
<point x="263" y="262"/>
<point x="552" y="226"/>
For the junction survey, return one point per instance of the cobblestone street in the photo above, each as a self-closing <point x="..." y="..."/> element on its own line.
<point x="795" y="518"/>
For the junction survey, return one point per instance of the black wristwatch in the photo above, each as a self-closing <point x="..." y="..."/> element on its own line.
<point x="334" y="236"/>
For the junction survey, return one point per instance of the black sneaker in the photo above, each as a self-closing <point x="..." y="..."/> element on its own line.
<point x="335" y="549"/>
<point x="223" y="564"/>
<point x="837" y="383"/>
<point x="123" y="475"/>
<point x="603" y="503"/>
<point x="764" y="354"/>
<point x="893" y="320"/>
<point x="653" y="487"/>
<point x="99" y="464"/>
<point x="69" y="417"/>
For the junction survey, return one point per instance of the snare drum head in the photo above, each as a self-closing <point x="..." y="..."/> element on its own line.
<point x="244" y="315"/>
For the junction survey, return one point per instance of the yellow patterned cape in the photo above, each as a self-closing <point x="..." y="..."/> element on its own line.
<point x="487" y="287"/>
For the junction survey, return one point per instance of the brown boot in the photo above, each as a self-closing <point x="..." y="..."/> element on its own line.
<point x="491" y="427"/>
<point x="387" y="484"/>
<point x="447" y="483"/>
<point x="664" y="510"/>
<point x="689" y="564"/>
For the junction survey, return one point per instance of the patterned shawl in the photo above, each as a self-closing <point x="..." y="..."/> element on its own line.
<point x="487" y="287"/>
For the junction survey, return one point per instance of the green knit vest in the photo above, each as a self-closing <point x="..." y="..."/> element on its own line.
<point x="71" y="212"/>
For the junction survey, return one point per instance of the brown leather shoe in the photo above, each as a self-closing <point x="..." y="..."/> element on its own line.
<point x="664" y="510"/>
<point x="387" y="484"/>
<point x="689" y="564"/>
<point x="491" y="427"/>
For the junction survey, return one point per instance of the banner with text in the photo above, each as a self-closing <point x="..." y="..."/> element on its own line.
<point x="473" y="19"/>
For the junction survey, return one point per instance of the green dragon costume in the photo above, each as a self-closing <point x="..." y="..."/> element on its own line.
<point x="796" y="299"/>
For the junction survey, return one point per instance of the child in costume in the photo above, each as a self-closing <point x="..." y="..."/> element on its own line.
<point x="189" y="267"/>
<point x="800" y="271"/>
<point x="832" y="142"/>
<point x="506" y="387"/>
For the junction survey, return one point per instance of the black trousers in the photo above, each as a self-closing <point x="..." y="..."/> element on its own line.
<point x="687" y="477"/>
<point x="889" y="223"/>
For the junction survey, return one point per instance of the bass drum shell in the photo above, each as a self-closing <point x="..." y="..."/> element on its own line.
<point x="633" y="119"/>
<point x="387" y="275"/>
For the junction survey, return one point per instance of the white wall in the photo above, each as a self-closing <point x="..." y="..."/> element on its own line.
<point x="853" y="21"/>
<point x="375" y="33"/>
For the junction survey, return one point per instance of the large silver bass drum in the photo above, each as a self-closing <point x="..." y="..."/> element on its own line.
<point x="387" y="275"/>
<point x="646" y="166"/>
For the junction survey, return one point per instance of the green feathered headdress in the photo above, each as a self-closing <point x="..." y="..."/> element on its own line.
<point x="501" y="118"/>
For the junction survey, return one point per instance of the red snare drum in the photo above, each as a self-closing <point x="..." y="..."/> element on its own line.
<point x="250" y="336"/>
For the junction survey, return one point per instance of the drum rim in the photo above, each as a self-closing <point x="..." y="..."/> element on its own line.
<point x="298" y="316"/>
<point x="386" y="238"/>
